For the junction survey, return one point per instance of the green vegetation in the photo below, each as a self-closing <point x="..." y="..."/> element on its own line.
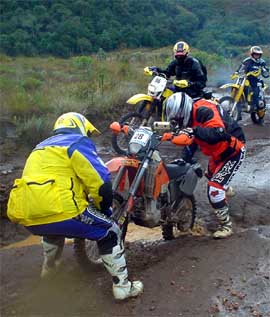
<point x="80" y="27"/>
<point x="34" y="90"/>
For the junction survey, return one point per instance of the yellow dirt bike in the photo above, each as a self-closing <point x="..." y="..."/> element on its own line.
<point x="148" y="107"/>
<point x="241" y="97"/>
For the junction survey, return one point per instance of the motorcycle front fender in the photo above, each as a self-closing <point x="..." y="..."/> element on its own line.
<point x="139" y="97"/>
<point x="230" y="85"/>
<point x="114" y="164"/>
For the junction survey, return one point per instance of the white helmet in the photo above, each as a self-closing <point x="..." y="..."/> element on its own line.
<point x="257" y="51"/>
<point x="179" y="108"/>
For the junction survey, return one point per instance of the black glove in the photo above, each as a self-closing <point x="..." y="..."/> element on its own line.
<point x="187" y="131"/>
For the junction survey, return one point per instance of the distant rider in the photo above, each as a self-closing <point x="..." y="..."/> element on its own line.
<point x="187" y="70"/>
<point x="253" y="63"/>
<point x="211" y="129"/>
<point x="61" y="177"/>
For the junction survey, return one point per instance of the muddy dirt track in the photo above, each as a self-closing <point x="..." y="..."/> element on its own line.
<point x="191" y="276"/>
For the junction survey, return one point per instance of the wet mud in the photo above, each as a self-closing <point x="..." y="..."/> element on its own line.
<point x="191" y="276"/>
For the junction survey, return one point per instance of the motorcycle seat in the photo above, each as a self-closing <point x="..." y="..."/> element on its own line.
<point x="176" y="170"/>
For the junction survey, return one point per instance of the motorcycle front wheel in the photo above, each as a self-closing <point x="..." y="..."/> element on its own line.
<point x="120" y="141"/>
<point x="86" y="251"/>
<point x="226" y="103"/>
<point x="186" y="207"/>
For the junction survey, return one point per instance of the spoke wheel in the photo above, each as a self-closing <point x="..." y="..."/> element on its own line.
<point x="186" y="210"/>
<point x="226" y="103"/>
<point x="86" y="251"/>
<point x="120" y="141"/>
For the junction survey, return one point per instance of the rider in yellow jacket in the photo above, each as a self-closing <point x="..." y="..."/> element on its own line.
<point x="65" y="191"/>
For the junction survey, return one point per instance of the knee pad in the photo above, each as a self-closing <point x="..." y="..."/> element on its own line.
<point x="216" y="196"/>
<point x="106" y="244"/>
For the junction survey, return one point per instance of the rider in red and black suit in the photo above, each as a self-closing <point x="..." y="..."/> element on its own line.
<point x="219" y="137"/>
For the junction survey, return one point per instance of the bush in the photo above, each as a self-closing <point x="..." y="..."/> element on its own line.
<point x="31" y="83"/>
<point x="33" y="130"/>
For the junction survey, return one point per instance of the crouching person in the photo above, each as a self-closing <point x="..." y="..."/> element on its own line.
<point x="51" y="199"/>
<point x="211" y="129"/>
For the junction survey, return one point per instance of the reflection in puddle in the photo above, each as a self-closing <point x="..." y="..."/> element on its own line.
<point x="31" y="240"/>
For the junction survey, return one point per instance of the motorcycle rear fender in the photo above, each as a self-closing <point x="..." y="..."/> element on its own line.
<point x="139" y="97"/>
<point x="230" y="85"/>
<point x="161" y="179"/>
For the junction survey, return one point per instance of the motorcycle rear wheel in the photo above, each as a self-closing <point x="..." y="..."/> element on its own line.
<point x="258" y="116"/>
<point x="86" y="251"/>
<point x="189" y="213"/>
<point x="226" y="103"/>
<point x="120" y="141"/>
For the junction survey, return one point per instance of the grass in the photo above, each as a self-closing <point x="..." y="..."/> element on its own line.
<point x="35" y="91"/>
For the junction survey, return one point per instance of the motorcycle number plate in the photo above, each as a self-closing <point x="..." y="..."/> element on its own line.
<point x="141" y="136"/>
<point x="157" y="85"/>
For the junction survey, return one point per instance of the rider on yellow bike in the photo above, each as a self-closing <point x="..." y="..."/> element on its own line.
<point x="251" y="64"/>
<point x="189" y="73"/>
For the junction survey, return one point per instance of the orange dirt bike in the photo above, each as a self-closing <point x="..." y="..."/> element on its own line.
<point x="241" y="97"/>
<point x="149" y="192"/>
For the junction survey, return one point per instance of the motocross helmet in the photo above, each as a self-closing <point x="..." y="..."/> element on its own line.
<point x="256" y="52"/>
<point x="178" y="109"/>
<point x="73" y="122"/>
<point x="181" y="50"/>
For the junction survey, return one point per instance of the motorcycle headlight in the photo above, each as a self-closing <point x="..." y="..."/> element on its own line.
<point x="134" y="148"/>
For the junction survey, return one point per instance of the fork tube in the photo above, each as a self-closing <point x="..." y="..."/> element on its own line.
<point x="118" y="178"/>
<point x="138" y="178"/>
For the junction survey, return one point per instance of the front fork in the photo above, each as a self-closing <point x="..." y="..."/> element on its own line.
<point x="236" y="97"/>
<point x="129" y="201"/>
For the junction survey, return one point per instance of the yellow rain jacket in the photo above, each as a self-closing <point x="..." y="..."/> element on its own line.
<point x="59" y="176"/>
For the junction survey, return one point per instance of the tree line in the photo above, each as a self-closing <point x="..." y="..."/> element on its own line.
<point x="79" y="27"/>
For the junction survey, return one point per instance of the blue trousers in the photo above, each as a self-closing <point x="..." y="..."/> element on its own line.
<point x="90" y="225"/>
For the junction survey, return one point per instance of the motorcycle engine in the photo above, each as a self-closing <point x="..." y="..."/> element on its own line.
<point x="146" y="213"/>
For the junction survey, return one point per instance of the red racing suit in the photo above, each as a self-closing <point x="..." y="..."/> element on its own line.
<point x="220" y="138"/>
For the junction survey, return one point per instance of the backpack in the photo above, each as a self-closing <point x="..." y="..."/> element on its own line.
<point x="204" y="69"/>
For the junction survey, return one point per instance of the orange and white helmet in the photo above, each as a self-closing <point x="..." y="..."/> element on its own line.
<point x="256" y="52"/>
<point x="73" y="122"/>
<point x="181" y="49"/>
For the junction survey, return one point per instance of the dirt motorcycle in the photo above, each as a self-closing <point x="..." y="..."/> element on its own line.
<point x="241" y="97"/>
<point x="148" y="107"/>
<point x="149" y="192"/>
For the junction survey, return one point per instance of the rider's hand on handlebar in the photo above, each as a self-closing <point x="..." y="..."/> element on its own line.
<point x="167" y="136"/>
<point x="234" y="75"/>
<point x="183" y="83"/>
<point x="187" y="131"/>
<point x="149" y="70"/>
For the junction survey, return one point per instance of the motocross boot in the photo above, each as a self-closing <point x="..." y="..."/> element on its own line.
<point x="230" y="192"/>
<point x="52" y="251"/>
<point x="225" y="227"/>
<point x="115" y="263"/>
